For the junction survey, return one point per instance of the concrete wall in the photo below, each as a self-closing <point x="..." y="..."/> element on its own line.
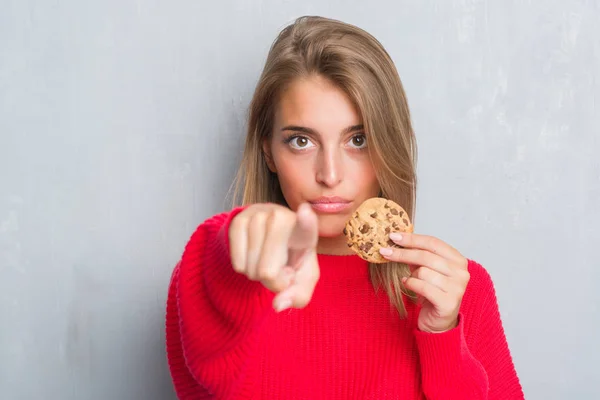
<point x="121" y="125"/>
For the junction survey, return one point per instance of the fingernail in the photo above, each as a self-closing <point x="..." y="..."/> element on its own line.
<point x="283" y="305"/>
<point x="384" y="251"/>
<point x="395" y="236"/>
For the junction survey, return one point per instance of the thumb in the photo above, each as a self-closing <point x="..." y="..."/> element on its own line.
<point x="306" y="232"/>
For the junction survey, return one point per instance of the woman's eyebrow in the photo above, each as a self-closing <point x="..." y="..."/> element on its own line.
<point x="303" y="129"/>
<point x="353" y="128"/>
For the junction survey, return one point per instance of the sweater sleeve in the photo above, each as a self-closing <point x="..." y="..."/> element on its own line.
<point x="471" y="361"/>
<point x="213" y="315"/>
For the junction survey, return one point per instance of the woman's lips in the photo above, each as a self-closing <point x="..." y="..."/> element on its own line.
<point x="330" y="204"/>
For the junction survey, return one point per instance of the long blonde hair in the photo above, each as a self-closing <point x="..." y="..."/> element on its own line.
<point x="358" y="64"/>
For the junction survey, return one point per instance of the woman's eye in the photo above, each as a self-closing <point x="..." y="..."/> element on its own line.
<point x="300" y="142"/>
<point x="358" y="141"/>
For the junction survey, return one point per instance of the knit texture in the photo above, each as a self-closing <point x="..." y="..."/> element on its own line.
<point x="225" y="341"/>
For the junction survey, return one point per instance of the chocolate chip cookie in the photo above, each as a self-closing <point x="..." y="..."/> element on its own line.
<point x="370" y="226"/>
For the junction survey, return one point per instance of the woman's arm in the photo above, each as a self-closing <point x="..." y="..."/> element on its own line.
<point x="471" y="361"/>
<point x="213" y="315"/>
<point x="461" y="342"/>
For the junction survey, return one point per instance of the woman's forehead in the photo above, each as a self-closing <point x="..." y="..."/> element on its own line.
<point x="317" y="104"/>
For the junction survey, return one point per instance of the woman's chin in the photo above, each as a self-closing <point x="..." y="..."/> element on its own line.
<point x="330" y="228"/>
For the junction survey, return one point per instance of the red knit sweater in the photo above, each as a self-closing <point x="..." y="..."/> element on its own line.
<point x="225" y="341"/>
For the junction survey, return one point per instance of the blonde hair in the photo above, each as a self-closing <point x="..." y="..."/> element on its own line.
<point x="358" y="64"/>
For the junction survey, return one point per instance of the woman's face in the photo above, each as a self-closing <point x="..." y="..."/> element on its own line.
<point x="319" y="152"/>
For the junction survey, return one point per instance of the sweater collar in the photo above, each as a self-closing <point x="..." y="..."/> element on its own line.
<point x="342" y="266"/>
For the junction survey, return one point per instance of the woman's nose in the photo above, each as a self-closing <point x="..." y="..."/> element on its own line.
<point x="329" y="171"/>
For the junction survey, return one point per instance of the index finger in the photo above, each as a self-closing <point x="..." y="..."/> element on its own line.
<point x="306" y="232"/>
<point x="428" y="243"/>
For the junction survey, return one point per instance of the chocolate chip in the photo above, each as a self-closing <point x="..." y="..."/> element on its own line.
<point x="405" y="221"/>
<point x="368" y="246"/>
<point x="394" y="211"/>
<point x="391" y="242"/>
<point x="386" y="205"/>
<point x="345" y="231"/>
<point x="349" y="244"/>
<point x="388" y="215"/>
<point x="365" y="228"/>
<point x="394" y="224"/>
<point x="374" y="215"/>
<point x="388" y="230"/>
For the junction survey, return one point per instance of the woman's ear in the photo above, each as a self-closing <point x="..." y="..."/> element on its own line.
<point x="266" y="146"/>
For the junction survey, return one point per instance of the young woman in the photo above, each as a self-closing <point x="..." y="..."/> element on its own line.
<point x="267" y="301"/>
